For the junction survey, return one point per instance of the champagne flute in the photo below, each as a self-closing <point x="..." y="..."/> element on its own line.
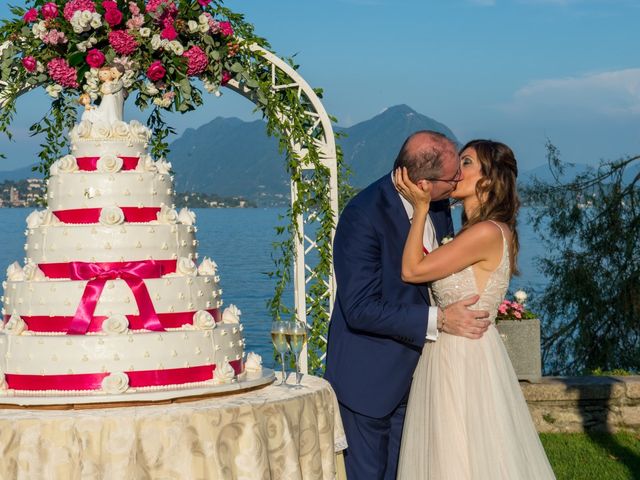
<point x="279" y="331"/>
<point x="296" y="338"/>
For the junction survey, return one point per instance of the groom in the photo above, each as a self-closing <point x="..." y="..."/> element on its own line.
<point x="379" y="323"/>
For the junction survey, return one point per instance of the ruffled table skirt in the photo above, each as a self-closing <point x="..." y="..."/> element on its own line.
<point x="271" y="433"/>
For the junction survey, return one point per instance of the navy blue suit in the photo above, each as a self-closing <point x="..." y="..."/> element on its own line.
<point x="378" y="326"/>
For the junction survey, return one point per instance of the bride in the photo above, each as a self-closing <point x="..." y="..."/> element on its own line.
<point x="467" y="418"/>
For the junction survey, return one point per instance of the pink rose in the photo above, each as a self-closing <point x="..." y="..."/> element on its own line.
<point x="134" y="9"/>
<point x="518" y="315"/>
<point x="95" y="58"/>
<point x="113" y="16"/>
<point x="169" y="33"/>
<point x="204" y="3"/>
<point x="31" y="15"/>
<point x="156" y="71"/>
<point x="49" y="10"/>
<point x="30" y="64"/>
<point x="226" y="29"/>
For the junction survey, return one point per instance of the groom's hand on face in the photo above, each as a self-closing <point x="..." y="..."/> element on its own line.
<point x="461" y="321"/>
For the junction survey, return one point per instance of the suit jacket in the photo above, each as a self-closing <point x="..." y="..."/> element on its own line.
<point x="379" y="323"/>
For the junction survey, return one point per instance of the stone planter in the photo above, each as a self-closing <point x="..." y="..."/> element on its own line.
<point x="522" y="340"/>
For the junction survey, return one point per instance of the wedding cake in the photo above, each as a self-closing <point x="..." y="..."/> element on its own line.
<point x="112" y="301"/>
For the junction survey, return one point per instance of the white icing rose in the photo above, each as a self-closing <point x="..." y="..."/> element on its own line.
<point x="33" y="273"/>
<point x="115" y="383"/>
<point x="186" y="217"/>
<point x="109" y="164"/>
<point x="3" y="382"/>
<point x="231" y="314"/>
<point x="147" y="164"/>
<point x="120" y="129"/>
<point x="34" y="220"/>
<point x="102" y="130"/>
<point x="116" y="324"/>
<point x="15" y="325"/>
<point x="15" y="273"/>
<point x="66" y="164"/>
<point x="48" y="218"/>
<point x="186" y="267"/>
<point x="253" y="363"/>
<point x="223" y="374"/>
<point x="167" y="215"/>
<point x="207" y="267"/>
<point x="203" y="320"/>
<point x="138" y="130"/>
<point x="112" y="216"/>
<point x="83" y="129"/>
<point x="163" y="167"/>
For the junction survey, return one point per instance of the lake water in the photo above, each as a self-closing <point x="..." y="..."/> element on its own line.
<point x="240" y="241"/>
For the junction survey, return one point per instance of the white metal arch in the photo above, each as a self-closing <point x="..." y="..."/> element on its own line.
<point x="321" y="123"/>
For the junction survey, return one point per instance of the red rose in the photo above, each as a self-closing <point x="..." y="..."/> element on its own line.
<point x="29" y="64"/>
<point x="50" y="10"/>
<point x="156" y="71"/>
<point x="113" y="16"/>
<point x="31" y="15"/>
<point x="169" y="32"/>
<point x="108" y="4"/>
<point x="95" y="58"/>
<point x="204" y="3"/>
<point x="226" y="76"/>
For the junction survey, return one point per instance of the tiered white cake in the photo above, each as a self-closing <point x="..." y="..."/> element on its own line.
<point x="110" y="300"/>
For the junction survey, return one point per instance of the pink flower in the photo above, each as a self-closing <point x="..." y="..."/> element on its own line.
<point x="109" y="4"/>
<point x="134" y="9"/>
<point x="198" y="61"/>
<point x="518" y="315"/>
<point x="122" y="42"/>
<point x="31" y="15"/>
<point x="204" y="3"/>
<point x="153" y="5"/>
<point x="62" y="73"/>
<point x="113" y="16"/>
<point x="74" y="6"/>
<point x="136" y="22"/>
<point x="30" y="64"/>
<point x="169" y="33"/>
<point x="226" y="76"/>
<point x="502" y="309"/>
<point x="49" y="10"/>
<point x="95" y="58"/>
<point x="156" y="71"/>
<point x="54" y="37"/>
<point x="226" y="29"/>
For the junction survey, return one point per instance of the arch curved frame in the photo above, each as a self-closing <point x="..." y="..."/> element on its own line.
<point x="324" y="139"/>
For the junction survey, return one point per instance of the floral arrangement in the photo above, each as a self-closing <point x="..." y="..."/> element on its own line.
<point x="515" y="309"/>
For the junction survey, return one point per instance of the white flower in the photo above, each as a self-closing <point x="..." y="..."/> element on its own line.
<point x="167" y="215"/>
<point x="102" y="129"/>
<point x="145" y="32"/>
<point x="231" y="314"/>
<point x="115" y="383"/>
<point x="186" y="217"/>
<point x="209" y="86"/>
<point x="109" y="164"/>
<point x="203" y="320"/>
<point x="138" y="130"/>
<point x="39" y="29"/>
<point x="34" y="220"/>
<point x="186" y="267"/>
<point x="521" y="296"/>
<point x="223" y="374"/>
<point x="15" y="273"/>
<point x="111" y="216"/>
<point x="163" y="167"/>
<point x="83" y="129"/>
<point x="207" y="267"/>
<point x="96" y="21"/>
<point x="202" y="19"/>
<point x="204" y="27"/>
<point x="193" y="26"/>
<point x="151" y="89"/>
<point x="66" y="164"/>
<point x="176" y="47"/>
<point x="446" y="240"/>
<point x="115" y="324"/>
<point x="162" y="102"/>
<point x="15" y="325"/>
<point x="33" y="273"/>
<point x="120" y="129"/>
<point x="156" y="41"/>
<point x="54" y="90"/>
<point x="86" y="16"/>
<point x="253" y="363"/>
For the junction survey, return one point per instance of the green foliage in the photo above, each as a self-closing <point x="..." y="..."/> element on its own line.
<point x="590" y="307"/>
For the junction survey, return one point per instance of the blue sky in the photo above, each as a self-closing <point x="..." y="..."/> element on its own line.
<point x="520" y="71"/>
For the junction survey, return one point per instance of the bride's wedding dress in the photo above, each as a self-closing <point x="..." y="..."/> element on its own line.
<point x="467" y="418"/>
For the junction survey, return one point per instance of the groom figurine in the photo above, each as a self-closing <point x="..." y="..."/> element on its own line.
<point x="379" y="323"/>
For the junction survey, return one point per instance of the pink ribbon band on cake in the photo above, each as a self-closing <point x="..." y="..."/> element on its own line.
<point x="64" y="270"/>
<point x="90" y="164"/>
<point x="137" y="379"/>
<point x="92" y="215"/>
<point x="57" y="324"/>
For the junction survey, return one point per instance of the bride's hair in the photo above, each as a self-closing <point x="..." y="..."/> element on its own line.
<point x="496" y="190"/>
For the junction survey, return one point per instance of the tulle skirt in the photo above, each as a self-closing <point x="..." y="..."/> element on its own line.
<point x="467" y="418"/>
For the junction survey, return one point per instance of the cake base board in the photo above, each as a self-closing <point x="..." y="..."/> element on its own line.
<point x="251" y="381"/>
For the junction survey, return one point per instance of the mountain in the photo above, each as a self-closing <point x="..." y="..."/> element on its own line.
<point x="544" y="174"/>
<point x="19" y="174"/>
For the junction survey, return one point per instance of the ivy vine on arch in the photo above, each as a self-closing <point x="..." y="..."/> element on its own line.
<point x="170" y="50"/>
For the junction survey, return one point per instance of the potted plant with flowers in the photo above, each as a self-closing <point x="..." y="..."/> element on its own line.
<point x="519" y="329"/>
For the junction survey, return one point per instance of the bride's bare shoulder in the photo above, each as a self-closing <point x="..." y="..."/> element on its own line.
<point x="487" y="230"/>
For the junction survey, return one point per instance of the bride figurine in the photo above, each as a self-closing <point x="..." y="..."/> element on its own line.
<point x="113" y="95"/>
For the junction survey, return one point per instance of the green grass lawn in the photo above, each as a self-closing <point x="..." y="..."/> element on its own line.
<point x="579" y="456"/>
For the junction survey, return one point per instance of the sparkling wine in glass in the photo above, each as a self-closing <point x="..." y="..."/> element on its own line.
<point x="296" y="338"/>
<point x="279" y="338"/>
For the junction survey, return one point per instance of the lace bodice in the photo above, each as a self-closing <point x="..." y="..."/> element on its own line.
<point x="463" y="284"/>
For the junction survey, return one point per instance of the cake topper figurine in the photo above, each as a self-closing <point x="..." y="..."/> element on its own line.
<point x="112" y="94"/>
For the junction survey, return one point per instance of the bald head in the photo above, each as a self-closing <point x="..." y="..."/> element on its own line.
<point x="424" y="154"/>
